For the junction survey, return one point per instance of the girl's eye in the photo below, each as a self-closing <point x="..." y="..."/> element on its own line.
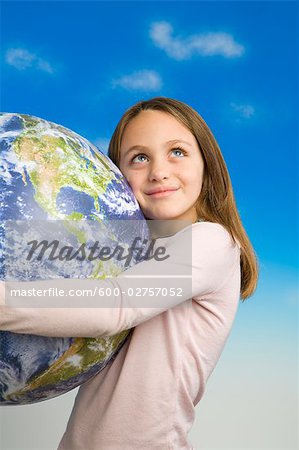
<point x="137" y="158"/>
<point x="140" y="158"/>
<point x="178" y="151"/>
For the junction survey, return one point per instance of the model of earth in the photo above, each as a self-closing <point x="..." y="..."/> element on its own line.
<point x="53" y="179"/>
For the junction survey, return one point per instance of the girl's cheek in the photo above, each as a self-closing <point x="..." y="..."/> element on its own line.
<point x="132" y="183"/>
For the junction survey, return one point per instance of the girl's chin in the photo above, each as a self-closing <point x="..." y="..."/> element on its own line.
<point x="160" y="216"/>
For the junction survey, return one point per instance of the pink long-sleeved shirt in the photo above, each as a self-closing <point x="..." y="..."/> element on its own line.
<point x="146" y="397"/>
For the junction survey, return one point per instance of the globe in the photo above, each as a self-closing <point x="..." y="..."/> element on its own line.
<point x="55" y="179"/>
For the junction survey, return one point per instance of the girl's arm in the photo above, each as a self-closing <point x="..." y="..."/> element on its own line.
<point x="214" y="257"/>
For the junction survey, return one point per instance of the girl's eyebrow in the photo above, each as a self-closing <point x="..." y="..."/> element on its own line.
<point x="176" y="141"/>
<point x="144" y="147"/>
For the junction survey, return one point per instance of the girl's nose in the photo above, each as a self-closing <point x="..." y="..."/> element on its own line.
<point x="158" y="171"/>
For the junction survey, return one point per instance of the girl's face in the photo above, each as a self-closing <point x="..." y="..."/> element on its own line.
<point x="161" y="161"/>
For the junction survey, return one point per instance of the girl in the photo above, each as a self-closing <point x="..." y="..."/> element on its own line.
<point x="146" y="397"/>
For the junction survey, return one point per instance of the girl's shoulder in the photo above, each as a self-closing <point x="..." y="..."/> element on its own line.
<point x="201" y="234"/>
<point x="212" y="230"/>
<point x="203" y="230"/>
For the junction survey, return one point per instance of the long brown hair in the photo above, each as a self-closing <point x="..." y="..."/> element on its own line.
<point x="216" y="202"/>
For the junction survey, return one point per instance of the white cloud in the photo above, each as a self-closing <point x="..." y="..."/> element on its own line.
<point x="22" y="59"/>
<point x="142" y="80"/>
<point x="19" y="58"/>
<point x="245" y="111"/>
<point x="44" y="66"/>
<point x="205" y="44"/>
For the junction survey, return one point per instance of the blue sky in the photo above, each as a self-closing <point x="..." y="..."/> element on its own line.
<point x="82" y="64"/>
